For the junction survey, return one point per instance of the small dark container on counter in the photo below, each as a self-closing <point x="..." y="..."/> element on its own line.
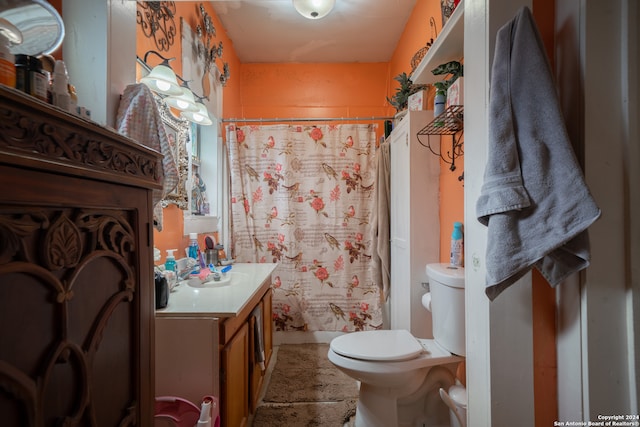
<point x="30" y="77"/>
<point x="162" y="290"/>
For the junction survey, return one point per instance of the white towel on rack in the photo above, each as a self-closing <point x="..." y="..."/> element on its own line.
<point x="534" y="199"/>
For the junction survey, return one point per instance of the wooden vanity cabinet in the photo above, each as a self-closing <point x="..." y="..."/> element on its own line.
<point x="241" y="378"/>
<point x="199" y="354"/>
<point x="76" y="277"/>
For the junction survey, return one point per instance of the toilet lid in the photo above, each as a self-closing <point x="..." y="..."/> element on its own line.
<point x="382" y="345"/>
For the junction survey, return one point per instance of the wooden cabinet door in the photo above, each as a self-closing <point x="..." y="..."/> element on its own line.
<point x="415" y="223"/>
<point x="75" y="302"/>
<point x="400" y="225"/>
<point x="235" y="379"/>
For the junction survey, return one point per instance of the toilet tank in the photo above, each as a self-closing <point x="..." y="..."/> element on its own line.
<point x="446" y="286"/>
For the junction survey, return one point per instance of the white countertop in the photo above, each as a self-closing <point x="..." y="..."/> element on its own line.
<point x="224" y="299"/>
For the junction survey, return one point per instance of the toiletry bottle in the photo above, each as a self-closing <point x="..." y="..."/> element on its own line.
<point x="439" y="103"/>
<point x="60" y="86"/>
<point x="194" y="251"/>
<point x="456" y="245"/>
<point x="170" y="263"/>
<point x="7" y="64"/>
<point x="73" y="100"/>
<point x="205" y="413"/>
<point x="193" y="246"/>
<point x="38" y="79"/>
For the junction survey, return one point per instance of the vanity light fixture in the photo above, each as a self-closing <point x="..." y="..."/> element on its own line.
<point x="200" y="117"/>
<point x="162" y="79"/>
<point x="183" y="102"/>
<point x="314" y="9"/>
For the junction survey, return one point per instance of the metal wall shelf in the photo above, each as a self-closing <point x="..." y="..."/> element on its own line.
<point x="448" y="123"/>
<point x="451" y="122"/>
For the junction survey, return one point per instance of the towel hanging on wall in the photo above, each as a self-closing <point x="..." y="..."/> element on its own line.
<point x="534" y="199"/>
<point x="139" y="119"/>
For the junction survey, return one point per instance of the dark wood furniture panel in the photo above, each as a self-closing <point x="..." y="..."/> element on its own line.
<point x="76" y="270"/>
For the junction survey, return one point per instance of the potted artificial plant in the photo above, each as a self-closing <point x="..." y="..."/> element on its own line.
<point x="453" y="68"/>
<point x="400" y="100"/>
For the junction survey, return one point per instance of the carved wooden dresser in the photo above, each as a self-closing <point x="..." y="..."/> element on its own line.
<point x="76" y="270"/>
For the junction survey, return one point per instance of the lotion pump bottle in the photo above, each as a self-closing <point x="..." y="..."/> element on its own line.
<point x="170" y="263"/>
<point x="457" y="251"/>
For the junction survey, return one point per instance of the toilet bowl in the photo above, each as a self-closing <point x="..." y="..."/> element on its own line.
<point x="400" y="375"/>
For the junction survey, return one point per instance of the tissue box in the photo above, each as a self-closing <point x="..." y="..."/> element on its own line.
<point x="418" y="101"/>
<point x="455" y="93"/>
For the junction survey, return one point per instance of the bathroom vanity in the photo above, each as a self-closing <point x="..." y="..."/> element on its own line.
<point x="206" y="341"/>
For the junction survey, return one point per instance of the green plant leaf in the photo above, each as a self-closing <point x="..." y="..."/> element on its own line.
<point x="401" y="98"/>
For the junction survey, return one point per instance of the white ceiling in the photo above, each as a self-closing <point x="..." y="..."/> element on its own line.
<point x="354" y="31"/>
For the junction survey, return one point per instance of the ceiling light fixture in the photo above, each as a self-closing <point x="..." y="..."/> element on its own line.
<point x="314" y="9"/>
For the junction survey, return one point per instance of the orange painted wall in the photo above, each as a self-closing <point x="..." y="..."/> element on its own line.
<point x="545" y="366"/>
<point x="313" y="90"/>
<point x="297" y="90"/>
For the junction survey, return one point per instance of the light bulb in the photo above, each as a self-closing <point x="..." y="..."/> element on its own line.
<point x="163" y="86"/>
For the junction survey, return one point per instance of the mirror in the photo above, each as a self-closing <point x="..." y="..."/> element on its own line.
<point x="178" y="134"/>
<point x="38" y="24"/>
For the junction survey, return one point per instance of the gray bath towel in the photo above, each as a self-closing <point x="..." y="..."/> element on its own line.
<point x="534" y="199"/>
<point x="381" y="234"/>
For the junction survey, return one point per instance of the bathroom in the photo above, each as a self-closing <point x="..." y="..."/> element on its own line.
<point x="540" y="352"/>
<point x="544" y="358"/>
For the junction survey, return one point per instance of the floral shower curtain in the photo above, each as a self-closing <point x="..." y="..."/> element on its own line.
<point x="304" y="196"/>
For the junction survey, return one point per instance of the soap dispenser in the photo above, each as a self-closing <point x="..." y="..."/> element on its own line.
<point x="170" y="263"/>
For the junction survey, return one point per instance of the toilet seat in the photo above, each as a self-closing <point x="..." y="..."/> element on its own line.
<point x="380" y="345"/>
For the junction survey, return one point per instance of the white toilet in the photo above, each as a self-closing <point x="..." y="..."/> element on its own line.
<point x="400" y="375"/>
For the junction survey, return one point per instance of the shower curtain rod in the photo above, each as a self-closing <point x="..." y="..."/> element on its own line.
<point x="307" y="119"/>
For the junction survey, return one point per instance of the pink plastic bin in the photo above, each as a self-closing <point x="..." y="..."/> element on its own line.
<point x="184" y="413"/>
